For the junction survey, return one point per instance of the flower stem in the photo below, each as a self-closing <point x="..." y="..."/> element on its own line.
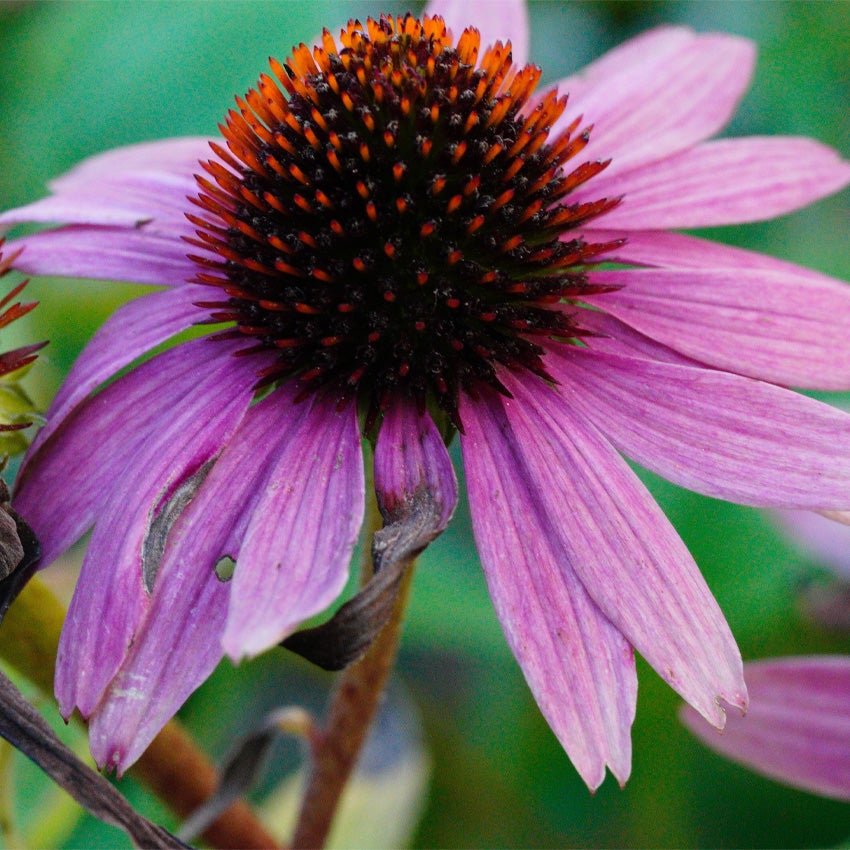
<point x="172" y="767"/>
<point x="353" y="707"/>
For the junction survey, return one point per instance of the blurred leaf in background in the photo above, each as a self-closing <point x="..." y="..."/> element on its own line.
<point x="82" y="77"/>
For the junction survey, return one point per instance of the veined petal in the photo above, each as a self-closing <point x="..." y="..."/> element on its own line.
<point x="136" y="255"/>
<point x="92" y="447"/>
<point x="677" y="90"/>
<point x="293" y="560"/>
<point x="653" y="47"/>
<point x="797" y="730"/>
<point x="110" y="597"/>
<point x="577" y="664"/>
<point x="678" y="251"/>
<point x="624" y="550"/>
<point x="772" y="325"/>
<point x="617" y="337"/>
<point x="133" y="329"/>
<point x="716" y="433"/>
<point x="410" y="455"/>
<point x="178" y="644"/>
<point x="138" y="185"/>
<point x="496" y="20"/>
<point x="762" y="178"/>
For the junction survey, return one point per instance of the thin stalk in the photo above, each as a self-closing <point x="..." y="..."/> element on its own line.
<point x="353" y="706"/>
<point x="172" y="767"/>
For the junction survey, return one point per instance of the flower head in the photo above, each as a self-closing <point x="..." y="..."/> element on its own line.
<point x="398" y="222"/>
<point x="387" y="216"/>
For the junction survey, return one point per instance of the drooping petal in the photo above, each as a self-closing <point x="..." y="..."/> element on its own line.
<point x="624" y="550"/>
<point x="294" y="556"/>
<point x="658" y="94"/>
<point x="797" y="730"/>
<point x="110" y="597"/>
<point x="134" y="329"/>
<point x="729" y="181"/>
<point x="410" y="455"/>
<point x="90" y="450"/>
<point x="771" y="325"/>
<point x="577" y="664"/>
<point x="136" y="255"/>
<point x="496" y="20"/>
<point x="134" y="186"/>
<point x="712" y="432"/>
<point x="178" y="644"/>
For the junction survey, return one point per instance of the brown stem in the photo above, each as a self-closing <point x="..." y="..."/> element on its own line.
<point x="353" y="706"/>
<point x="172" y="767"/>
<point x="183" y="777"/>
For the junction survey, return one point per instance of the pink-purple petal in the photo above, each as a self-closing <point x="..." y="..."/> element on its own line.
<point x="616" y="337"/>
<point x="842" y="517"/>
<point x="650" y="48"/>
<point x="178" y="644"/>
<point x="294" y="557"/>
<point x="729" y="181"/>
<point x="678" y="251"/>
<point x="820" y="538"/>
<point x="496" y="20"/>
<point x="713" y="432"/>
<point x="797" y="730"/>
<point x="772" y="325"/>
<point x="134" y="329"/>
<point x="410" y="455"/>
<point x="162" y="157"/>
<point x="577" y="664"/>
<point x="674" y="93"/>
<point x="91" y="448"/>
<point x="129" y="254"/>
<point x="138" y="185"/>
<point x="624" y="550"/>
<point x="110" y="598"/>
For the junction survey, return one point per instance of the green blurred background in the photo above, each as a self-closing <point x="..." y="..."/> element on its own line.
<point x="81" y="77"/>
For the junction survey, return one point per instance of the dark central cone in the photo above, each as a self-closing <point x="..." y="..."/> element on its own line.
<point x="390" y="216"/>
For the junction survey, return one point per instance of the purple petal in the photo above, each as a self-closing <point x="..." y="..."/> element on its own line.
<point x="110" y="253"/>
<point x="293" y="561"/>
<point x="712" y="432"/>
<point x="653" y="46"/>
<point x="178" y="644"/>
<point x="578" y="666"/>
<point x="677" y="251"/>
<point x="496" y="20"/>
<point x="762" y="177"/>
<point x="618" y="338"/>
<point x="818" y="537"/>
<point x="80" y="463"/>
<point x="134" y="329"/>
<point x="410" y="455"/>
<point x="797" y="730"/>
<point x="110" y="597"/>
<point x="144" y="184"/>
<point x="624" y="550"/>
<point x="841" y="517"/>
<point x="645" y="104"/>
<point x="772" y="325"/>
